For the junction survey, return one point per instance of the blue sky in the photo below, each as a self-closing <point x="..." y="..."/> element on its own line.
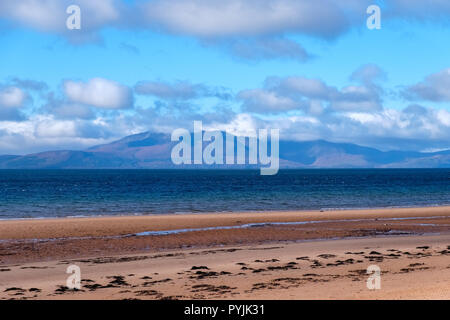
<point x="312" y="69"/>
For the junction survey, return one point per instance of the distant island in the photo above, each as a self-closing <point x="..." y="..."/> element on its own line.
<point x="152" y="151"/>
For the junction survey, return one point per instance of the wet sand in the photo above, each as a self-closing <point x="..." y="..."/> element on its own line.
<point x="283" y="255"/>
<point x="123" y="225"/>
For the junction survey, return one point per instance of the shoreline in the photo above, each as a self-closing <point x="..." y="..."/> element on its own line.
<point x="244" y="226"/>
<point x="47" y="239"/>
<point x="224" y="212"/>
<point x="50" y="228"/>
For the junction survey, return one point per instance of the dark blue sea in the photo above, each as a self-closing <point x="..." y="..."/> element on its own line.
<point x="62" y="193"/>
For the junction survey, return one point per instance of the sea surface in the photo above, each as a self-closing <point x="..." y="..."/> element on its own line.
<point x="64" y="193"/>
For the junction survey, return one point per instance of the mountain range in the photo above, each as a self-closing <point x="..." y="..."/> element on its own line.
<point x="152" y="151"/>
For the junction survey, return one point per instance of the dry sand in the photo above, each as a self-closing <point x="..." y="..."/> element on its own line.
<point x="270" y="261"/>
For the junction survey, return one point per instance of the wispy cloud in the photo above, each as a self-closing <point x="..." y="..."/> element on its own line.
<point x="180" y="90"/>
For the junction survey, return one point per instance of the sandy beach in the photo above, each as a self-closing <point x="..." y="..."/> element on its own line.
<point x="259" y="255"/>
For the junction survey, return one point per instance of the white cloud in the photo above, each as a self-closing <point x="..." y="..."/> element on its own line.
<point x="323" y="18"/>
<point x="241" y="124"/>
<point x="415" y="128"/>
<point x="49" y="128"/>
<point x="310" y="95"/>
<point x="45" y="15"/>
<point x="435" y="87"/>
<point x="216" y="18"/>
<point x="356" y="98"/>
<point x="50" y="15"/>
<point x="311" y="88"/>
<point x="390" y="123"/>
<point x="444" y="117"/>
<point x="12" y="97"/>
<point x="45" y="132"/>
<point x="258" y="100"/>
<point x="70" y="121"/>
<point x="99" y="92"/>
